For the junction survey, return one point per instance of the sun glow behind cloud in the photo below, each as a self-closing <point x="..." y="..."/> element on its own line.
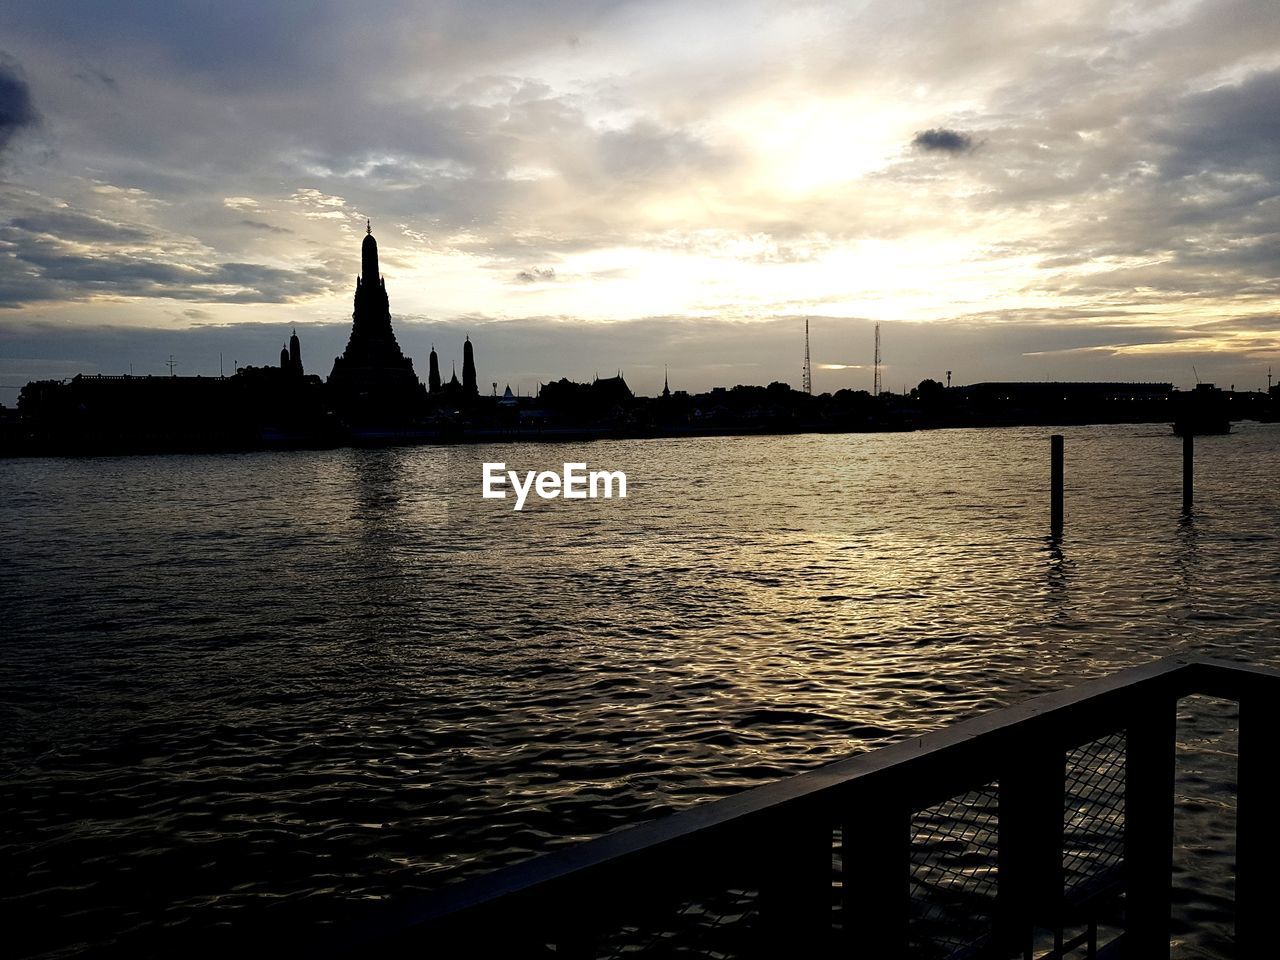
<point x="802" y="145"/>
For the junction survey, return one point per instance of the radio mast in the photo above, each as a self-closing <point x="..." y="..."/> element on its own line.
<point x="807" y="377"/>
<point x="875" y="382"/>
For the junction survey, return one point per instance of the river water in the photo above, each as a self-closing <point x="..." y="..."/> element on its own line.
<point x="277" y="686"/>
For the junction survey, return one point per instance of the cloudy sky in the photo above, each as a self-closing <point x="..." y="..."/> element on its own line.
<point x="1014" y="189"/>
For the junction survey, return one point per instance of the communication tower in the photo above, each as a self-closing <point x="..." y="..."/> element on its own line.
<point x="807" y="376"/>
<point x="875" y="382"/>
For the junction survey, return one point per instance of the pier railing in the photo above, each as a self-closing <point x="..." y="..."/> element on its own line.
<point x="1041" y="830"/>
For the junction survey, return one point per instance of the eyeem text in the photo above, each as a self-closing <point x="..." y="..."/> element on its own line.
<point x="575" y="483"/>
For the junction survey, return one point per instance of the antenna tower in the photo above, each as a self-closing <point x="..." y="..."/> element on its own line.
<point x="875" y="382"/>
<point x="807" y="376"/>
<point x="171" y="363"/>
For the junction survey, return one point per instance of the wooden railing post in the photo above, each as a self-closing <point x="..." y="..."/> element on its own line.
<point x="795" y="889"/>
<point x="1148" y="825"/>
<point x="876" y="851"/>
<point x="1032" y="824"/>
<point x="1257" y="841"/>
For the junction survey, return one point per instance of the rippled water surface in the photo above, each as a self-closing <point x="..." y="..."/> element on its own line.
<point x="279" y="685"/>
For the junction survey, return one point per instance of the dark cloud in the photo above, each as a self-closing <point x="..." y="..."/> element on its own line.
<point x="16" y="109"/>
<point x="47" y="271"/>
<point x="536" y="275"/>
<point x="50" y="253"/>
<point x="943" y="140"/>
<point x="96" y="77"/>
<point x="1232" y="129"/>
<point x="259" y="225"/>
<point x="78" y="227"/>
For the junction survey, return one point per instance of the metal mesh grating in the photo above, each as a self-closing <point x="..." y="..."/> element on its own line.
<point x="1093" y="838"/>
<point x="715" y="927"/>
<point x="953" y="874"/>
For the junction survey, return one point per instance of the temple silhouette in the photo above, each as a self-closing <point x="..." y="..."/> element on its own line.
<point x="373" y="381"/>
<point x="291" y="356"/>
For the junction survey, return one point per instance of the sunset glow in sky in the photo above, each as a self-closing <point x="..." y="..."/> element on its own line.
<point x="1014" y="190"/>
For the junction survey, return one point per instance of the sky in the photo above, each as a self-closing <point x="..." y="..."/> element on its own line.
<point x="1012" y="189"/>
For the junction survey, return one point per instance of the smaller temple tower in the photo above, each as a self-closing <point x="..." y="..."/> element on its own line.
<point x="433" y="373"/>
<point x="284" y="358"/>
<point x="469" y="385"/>
<point x="295" y="354"/>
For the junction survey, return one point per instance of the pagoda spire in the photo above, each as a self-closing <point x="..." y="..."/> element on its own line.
<point x="369" y="257"/>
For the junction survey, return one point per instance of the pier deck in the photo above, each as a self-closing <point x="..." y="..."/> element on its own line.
<point x="1042" y="830"/>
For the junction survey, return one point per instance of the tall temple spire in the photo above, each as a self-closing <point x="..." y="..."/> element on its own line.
<point x="373" y="382"/>
<point x="369" y="259"/>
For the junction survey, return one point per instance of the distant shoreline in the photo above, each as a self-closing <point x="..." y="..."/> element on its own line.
<point x="415" y="438"/>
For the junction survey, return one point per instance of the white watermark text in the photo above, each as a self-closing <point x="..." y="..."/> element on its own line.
<point x="575" y="482"/>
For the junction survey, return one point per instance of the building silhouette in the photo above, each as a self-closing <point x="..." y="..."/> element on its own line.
<point x="373" y="381"/>
<point x="454" y="392"/>
<point x="291" y="356"/>
<point x="433" y="372"/>
<point x="469" y="387"/>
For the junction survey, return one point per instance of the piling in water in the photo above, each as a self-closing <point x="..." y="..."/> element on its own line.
<point x="1055" y="483"/>
<point x="1188" y="461"/>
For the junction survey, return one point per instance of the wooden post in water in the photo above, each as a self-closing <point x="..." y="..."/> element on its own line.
<point x="1188" y="461"/>
<point x="1055" y="483"/>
